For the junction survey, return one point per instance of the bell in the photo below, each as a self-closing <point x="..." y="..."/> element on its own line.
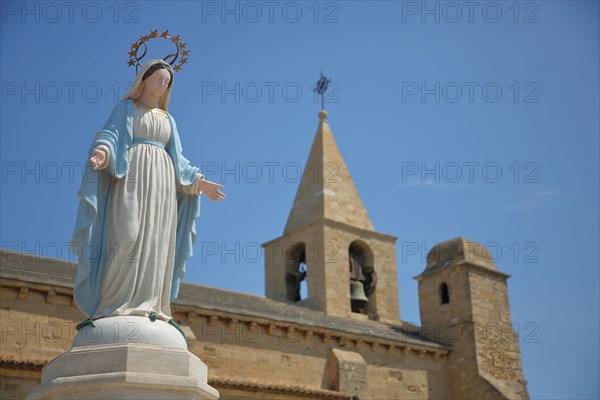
<point x="293" y="279"/>
<point x="357" y="292"/>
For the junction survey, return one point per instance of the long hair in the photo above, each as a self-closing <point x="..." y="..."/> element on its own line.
<point x="138" y="86"/>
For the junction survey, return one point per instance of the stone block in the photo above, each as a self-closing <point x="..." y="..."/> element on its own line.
<point x="347" y="372"/>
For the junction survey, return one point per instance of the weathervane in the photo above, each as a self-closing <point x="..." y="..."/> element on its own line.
<point x="321" y="87"/>
<point x="136" y="46"/>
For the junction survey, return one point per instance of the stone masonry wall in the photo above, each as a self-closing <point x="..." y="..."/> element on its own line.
<point x="38" y="324"/>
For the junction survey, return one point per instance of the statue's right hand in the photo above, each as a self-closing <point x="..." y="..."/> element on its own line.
<point x="98" y="159"/>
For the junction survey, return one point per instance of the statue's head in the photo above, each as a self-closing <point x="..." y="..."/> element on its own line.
<point x="157" y="77"/>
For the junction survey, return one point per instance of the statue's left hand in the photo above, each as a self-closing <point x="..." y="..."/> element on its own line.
<point x="211" y="189"/>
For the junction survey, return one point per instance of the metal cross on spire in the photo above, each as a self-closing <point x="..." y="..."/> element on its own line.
<point x="321" y="87"/>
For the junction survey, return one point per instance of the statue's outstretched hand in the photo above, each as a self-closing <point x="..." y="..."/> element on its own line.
<point x="98" y="159"/>
<point x="211" y="189"/>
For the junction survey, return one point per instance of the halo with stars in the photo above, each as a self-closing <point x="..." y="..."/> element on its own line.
<point x="181" y="54"/>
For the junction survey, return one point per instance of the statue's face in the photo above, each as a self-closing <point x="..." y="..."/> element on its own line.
<point x="158" y="82"/>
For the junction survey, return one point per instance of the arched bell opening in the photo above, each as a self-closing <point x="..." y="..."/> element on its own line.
<point x="363" y="279"/>
<point x="296" y="273"/>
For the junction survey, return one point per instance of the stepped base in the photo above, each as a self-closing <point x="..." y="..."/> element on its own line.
<point x="128" y="369"/>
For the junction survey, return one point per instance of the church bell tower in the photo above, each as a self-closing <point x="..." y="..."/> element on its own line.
<point x="330" y="245"/>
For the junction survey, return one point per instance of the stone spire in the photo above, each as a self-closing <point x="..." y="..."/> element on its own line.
<point x="327" y="190"/>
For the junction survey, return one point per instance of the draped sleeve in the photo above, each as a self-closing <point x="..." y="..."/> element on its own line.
<point x="89" y="236"/>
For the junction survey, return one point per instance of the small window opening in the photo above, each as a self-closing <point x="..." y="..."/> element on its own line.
<point x="444" y="295"/>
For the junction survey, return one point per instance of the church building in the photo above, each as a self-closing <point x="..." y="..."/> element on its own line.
<point x="329" y="326"/>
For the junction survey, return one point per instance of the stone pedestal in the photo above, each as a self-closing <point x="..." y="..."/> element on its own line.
<point x="126" y="358"/>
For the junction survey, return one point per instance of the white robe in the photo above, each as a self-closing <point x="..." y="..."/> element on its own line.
<point x="142" y="225"/>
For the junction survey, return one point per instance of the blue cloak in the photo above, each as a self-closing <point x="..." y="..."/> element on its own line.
<point x="90" y="234"/>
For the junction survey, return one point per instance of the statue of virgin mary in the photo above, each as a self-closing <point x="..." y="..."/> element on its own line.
<point x="139" y="199"/>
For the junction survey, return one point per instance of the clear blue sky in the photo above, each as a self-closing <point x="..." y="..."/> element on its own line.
<point x="501" y="99"/>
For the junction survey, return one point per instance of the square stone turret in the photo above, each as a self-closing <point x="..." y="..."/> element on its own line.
<point x="330" y="242"/>
<point x="463" y="300"/>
